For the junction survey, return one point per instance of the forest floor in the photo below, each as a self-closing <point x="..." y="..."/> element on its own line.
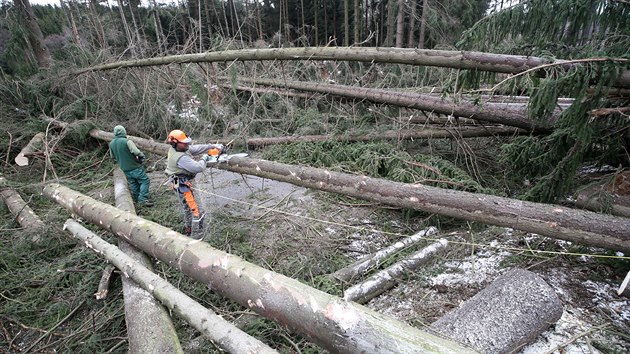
<point x="307" y="234"/>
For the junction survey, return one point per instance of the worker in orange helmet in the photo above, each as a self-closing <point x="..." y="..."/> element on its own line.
<point x="182" y="168"/>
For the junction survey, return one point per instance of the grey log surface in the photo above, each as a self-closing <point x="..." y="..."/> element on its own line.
<point x="23" y="214"/>
<point x="149" y="325"/>
<point x="510" y="312"/>
<point x="373" y="260"/>
<point x="502" y="63"/>
<point x="388" y="277"/>
<point x="335" y="324"/>
<point x="580" y="226"/>
<point x="35" y="143"/>
<point x="223" y="333"/>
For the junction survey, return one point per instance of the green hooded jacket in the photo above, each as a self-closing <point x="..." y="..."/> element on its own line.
<point x="124" y="151"/>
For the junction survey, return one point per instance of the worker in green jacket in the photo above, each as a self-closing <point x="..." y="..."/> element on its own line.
<point x="130" y="160"/>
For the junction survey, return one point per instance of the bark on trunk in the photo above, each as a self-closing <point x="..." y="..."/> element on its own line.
<point x="223" y="333"/>
<point x="34" y="33"/>
<point x="599" y="200"/>
<point x="512" y="114"/>
<point x="510" y="312"/>
<point x="337" y="325"/>
<point x="388" y="278"/>
<point x="103" y="285"/>
<point x="22" y="213"/>
<point x="33" y="145"/>
<point x="372" y="261"/>
<point x="550" y="220"/>
<point x="502" y="63"/>
<point x="447" y="133"/>
<point x="149" y="325"/>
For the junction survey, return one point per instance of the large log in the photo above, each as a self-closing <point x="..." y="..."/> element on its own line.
<point x="373" y="260"/>
<point x="327" y="320"/>
<point x="223" y="333"/>
<point x="510" y="312"/>
<point x="149" y="326"/>
<point x="502" y="63"/>
<point x="23" y="214"/>
<point x="388" y="277"/>
<point x="35" y="143"/>
<point x="406" y="134"/>
<point x="511" y="114"/>
<point x="550" y="220"/>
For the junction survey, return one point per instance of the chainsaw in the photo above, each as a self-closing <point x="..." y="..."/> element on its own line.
<point x="218" y="155"/>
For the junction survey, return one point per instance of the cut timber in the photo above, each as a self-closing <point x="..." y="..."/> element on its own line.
<point x="597" y="199"/>
<point x="23" y="214"/>
<point x="149" y="326"/>
<point x="508" y="313"/>
<point x="33" y="145"/>
<point x="550" y="220"/>
<point x="327" y="320"/>
<point x="511" y="114"/>
<point x="502" y="63"/>
<point x="374" y="260"/>
<point x="388" y="278"/>
<point x="223" y="333"/>
<point x="103" y="285"/>
<point x="408" y="134"/>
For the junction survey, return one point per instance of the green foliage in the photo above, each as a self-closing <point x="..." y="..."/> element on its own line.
<point x="377" y="159"/>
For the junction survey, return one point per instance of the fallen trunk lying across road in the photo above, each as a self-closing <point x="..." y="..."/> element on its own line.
<point x="584" y="227"/>
<point x="333" y="323"/>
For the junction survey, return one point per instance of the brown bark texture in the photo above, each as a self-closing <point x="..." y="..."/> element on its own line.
<point x="373" y="260"/>
<point x="389" y="277"/>
<point x="23" y="214"/>
<point x="502" y="63"/>
<point x="509" y="313"/>
<point x="223" y="333"/>
<point x="584" y="227"/>
<point x="335" y="324"/>
<point x="149" y="326"/>
<point x="33" y="145"/>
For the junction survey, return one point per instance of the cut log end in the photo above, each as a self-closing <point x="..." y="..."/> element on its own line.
<point x="21" y="160"/>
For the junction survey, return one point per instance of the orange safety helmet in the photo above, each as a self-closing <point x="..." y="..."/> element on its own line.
<point x="178" y="136"/>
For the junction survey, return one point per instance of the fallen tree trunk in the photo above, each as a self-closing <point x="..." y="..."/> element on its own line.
<point x="33" y="145"/>
<point x="223" y="333"/>
<point x="335" y="324"/>
<point x="449" y="133"/>
<point x="149" y="326"/>
<point x="388" y="278"/>
<point x="373" y="260"/>
<point x="23" y="214"/>
<point x="510" y="312"/>
<point x="550" y="220"/>
<point x="602" y="200"/>
<point x="501" y="63"/>
<point x="511" y="114"/>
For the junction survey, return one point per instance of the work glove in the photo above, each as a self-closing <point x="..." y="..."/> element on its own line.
<point x="220" y="147"/>
<point x="207" y="157"/>
<point x="140" y="159"/>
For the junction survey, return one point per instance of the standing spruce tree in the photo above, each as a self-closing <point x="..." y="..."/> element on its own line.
<point x="594" y="130"/>
<point x="33" y="33"/>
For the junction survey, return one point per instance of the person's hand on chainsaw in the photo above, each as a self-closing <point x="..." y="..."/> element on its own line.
<point x="207" y="157"/>
<point x="221" y="148"/>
